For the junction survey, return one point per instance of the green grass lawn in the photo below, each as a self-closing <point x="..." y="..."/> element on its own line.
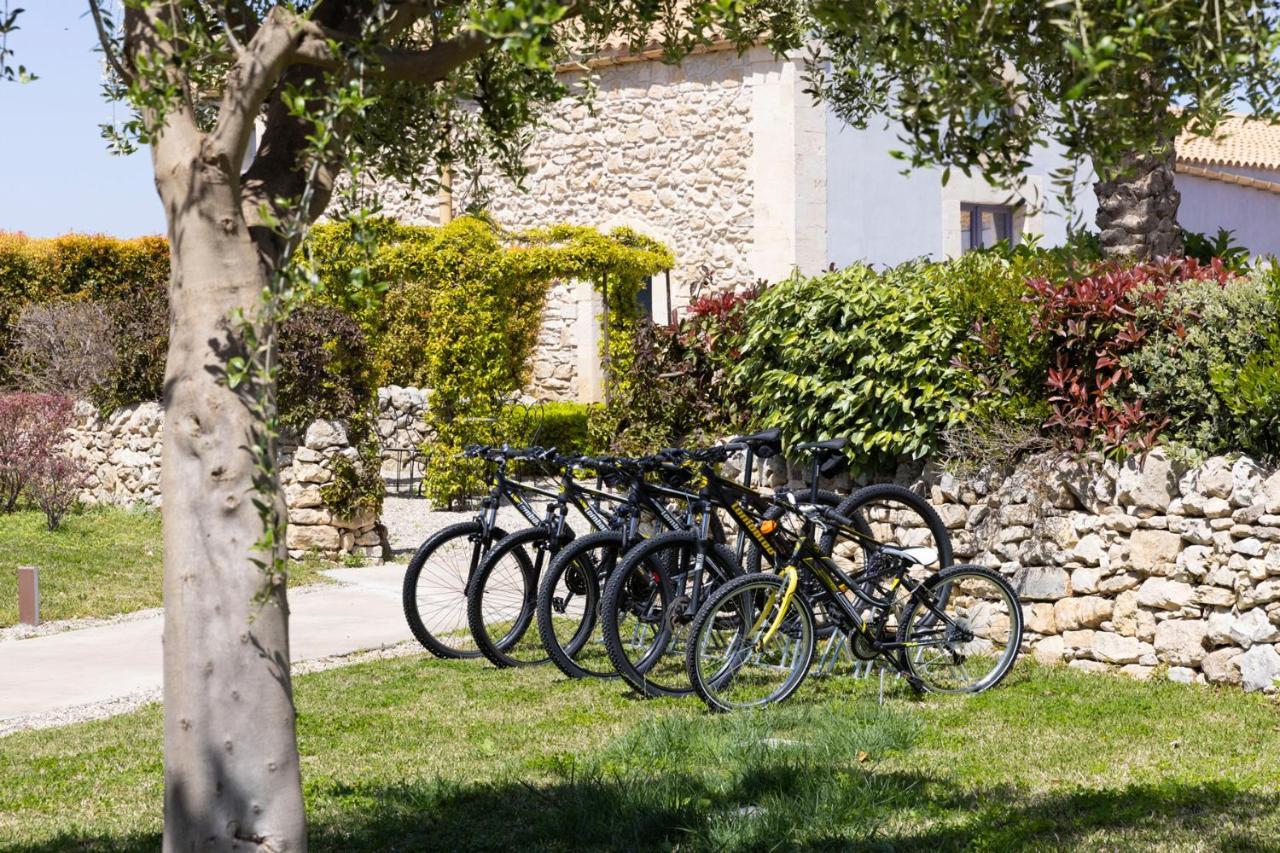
<point x="415" y="754"/>
<point x="98" y="563"/>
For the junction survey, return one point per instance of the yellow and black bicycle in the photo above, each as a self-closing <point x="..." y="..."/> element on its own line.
<point x="752" y="642"/>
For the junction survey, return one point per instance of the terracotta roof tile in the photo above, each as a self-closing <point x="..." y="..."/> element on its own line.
<point x="1239" y="141"/>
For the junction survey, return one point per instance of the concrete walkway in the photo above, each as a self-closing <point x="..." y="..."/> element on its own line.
<point x="45" y="675"/>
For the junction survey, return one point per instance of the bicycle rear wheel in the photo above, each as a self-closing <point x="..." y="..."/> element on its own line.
<point x="967" y="642"/>
<point x="749" y="644"/>
<point x="649" y="604"/>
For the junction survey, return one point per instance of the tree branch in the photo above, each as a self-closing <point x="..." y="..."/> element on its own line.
<point x="104" y="39"/>
<point x="251" y="77"/>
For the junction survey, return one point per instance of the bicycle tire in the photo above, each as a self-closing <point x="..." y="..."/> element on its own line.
<point x="497" y="649"/>
<point x="413" y="576"/>
<point x="948" y="577"/>
<point x="711" y="608"/>
<point x="645" y="558"/>
<point x="566" y="659"/>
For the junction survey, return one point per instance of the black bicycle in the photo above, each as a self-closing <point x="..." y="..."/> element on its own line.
<point x="954" y="631"/>
<point x="568" y="599"/>
<point x="435" y="585"/>
<point x="502" y="594"/>
<point x="650" y="602"/>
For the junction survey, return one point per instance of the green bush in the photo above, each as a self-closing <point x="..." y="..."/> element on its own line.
<point x="562" y="425"/>
<point x="861" y="354"/>
<point x="74" y="266"/>
<point x="140" y="333"/>
<point x="1203" y="366"/>
<point x="988" y="291"/>
<point x="324" y="370"/>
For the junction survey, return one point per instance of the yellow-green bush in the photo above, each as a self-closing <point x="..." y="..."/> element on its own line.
<point x="462" y="317"/>
<point x="73" y="266"/>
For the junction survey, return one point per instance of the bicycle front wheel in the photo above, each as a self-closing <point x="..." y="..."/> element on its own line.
<point x="502" y="596"/>
<point x="434" y="593"/>
<point x="750" y="644"/>
<point x="569" y="605"/>
<point x="960" y="633"/>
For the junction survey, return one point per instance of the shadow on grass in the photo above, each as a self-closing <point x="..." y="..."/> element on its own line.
<point x="872" y="811"/>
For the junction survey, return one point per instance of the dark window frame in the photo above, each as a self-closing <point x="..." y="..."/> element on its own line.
<point x="1003" y="214"/>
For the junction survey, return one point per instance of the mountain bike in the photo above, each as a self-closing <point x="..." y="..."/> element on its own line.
<point x="569" y="593"/>
<point x="434" y="592"/>
<point x="650" y="602"/>
<point x="752" y="643"/>
<point x="502" y="594"/>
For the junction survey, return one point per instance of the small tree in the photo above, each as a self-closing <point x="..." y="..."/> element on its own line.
<point x="982" y="85"/>
<point x="33" y="428"/>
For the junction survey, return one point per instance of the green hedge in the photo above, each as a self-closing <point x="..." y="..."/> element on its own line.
<point x="74" y="266"/>
<point x="862" y="354"/>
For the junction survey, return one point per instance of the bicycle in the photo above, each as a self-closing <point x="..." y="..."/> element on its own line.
<point x="752" y="642"/>
<point x="652" y="597"/>
<point x="434" y="592"/>
<point x="502" y="594"/>
<point x="569" y="595"/>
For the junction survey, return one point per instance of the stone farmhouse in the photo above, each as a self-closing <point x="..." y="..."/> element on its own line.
<point x="727" y="160"/>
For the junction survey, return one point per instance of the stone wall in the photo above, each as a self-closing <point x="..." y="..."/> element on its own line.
<point x="122" y="454"/>
<point x="1146" y="568"/>
<point x="304" y="473"/>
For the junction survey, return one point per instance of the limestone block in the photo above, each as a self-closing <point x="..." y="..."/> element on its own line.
<point x="1078" y="642"/>
<point x="1041" y="583"/>
<point x="1085" y="581"/>
<point x="1117" y="649"/>
<point x="1084" y="612"/>
<point x="1149" y="482"/>
<point x="313" y="537"/>
<point x="323" y="434"/>
<point x="1090" y="550"/>
<point x="1165" y="594"/>
<point x="1039" y="618"/>
<point x="1259" y="668"/>
<point x="1251" y="627"/>
<point x="1154" y="551"/>
<point x="1222" y="666"/>
<point x="1181" y="642"/>
<point x="1050" y="650"/>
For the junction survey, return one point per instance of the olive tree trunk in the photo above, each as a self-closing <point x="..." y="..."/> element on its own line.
<point x="232" y="779"/>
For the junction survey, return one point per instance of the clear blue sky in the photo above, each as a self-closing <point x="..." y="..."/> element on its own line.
<point x="55" y="172"/>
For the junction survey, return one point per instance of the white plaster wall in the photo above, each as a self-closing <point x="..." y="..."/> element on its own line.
<point x="878" y="214"/>
<point x="788" y="166"/>
<point x="1254" y="215"/>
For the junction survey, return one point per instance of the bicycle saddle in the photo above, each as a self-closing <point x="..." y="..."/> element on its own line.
<point x="828" y="454"/>
<point x="763" y="444"/>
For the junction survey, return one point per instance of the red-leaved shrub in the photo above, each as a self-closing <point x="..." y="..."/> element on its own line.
<point x="1091" y="323"/>
<point x="33" y="428"/>
<point x="53" y="483"/>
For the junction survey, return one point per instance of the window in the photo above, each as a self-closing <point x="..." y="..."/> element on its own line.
<point x="984" y="225"/>
<point x="644" y="299"/>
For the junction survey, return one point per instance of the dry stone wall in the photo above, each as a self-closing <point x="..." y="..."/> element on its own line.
<point x="1143" y="567"/>
<point x="313" y="527"/>
<point x="121" y="452"/>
